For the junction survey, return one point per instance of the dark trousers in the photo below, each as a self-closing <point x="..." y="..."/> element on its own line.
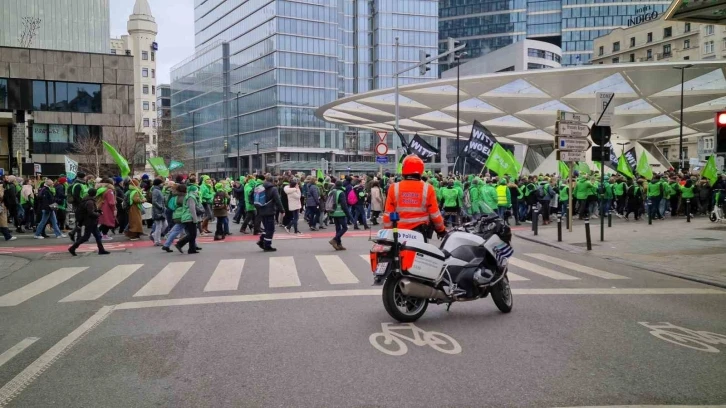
<point x="653" y="210"/>
<point x="248" y="221"/>
<point x="634" y="207"/>
<point x="238" y="212"/>
<point x="169" y="214"/>
<point x="341" y="227"/>
<point x="220" y="231"/>
<point x="359" y="215"/>
<point x="6" y="233"/>
<point x="313" y="214"/>
<point x="29" y="216"/>
<point x="545" y="204"/>
<point x="90" y="230"/>
<point x="258" y="222"/>
<point x="190" y="238"/>
<point x="268" y="221"/>
<point x="620" y="204"/>
<point x="584" y="209"/>
<point x="286" y="218"/>
<point x="123" y="220"/>
<point x="61" y="216"/>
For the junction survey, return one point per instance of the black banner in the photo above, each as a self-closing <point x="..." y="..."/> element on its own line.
<point x="404" y="143"/>
<point x="481" y="142"/>
<point x="422" y="149"/>
<point x="632" y="159"/>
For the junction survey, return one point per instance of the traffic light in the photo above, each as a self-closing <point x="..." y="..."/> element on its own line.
<point x="452" y="44"/>
<point x="721" y="132"/>
<point x="423" y="66"/>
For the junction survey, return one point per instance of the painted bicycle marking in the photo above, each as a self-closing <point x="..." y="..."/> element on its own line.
<point x="391" y="341"/>
<point x="693" y="339"/>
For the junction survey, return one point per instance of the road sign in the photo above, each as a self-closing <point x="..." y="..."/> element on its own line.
<point x="574" y="144"/>
<point x="381" y="149"/>
<point x="572" y="116"/>
<point x="382" y="159"/>
<point x="571" y="156"/>
<point x="605" y="108"/>
<point x="382" y="136"/>
<point x="574" y="129"/>
<point x="601" y="134"/>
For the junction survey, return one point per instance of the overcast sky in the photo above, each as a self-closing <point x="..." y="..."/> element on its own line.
<point x="175" y="19"/>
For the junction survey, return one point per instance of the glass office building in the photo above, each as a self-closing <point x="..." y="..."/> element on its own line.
<point x="77" y="25"/>
<point x="262" y="67"/>
<point x="487" y="25"/>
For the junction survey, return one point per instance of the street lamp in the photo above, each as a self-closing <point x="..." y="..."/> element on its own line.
<point x="683" y="69"/>
<point x="194" y="144"/>
<point x="257" y="145"/>
<point x="457" y="58"/>
<point x="239" y="158"/>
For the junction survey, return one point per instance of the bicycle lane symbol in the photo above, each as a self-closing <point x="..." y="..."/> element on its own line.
<point x="391" y="341"/>
<point x="697" y="340"/>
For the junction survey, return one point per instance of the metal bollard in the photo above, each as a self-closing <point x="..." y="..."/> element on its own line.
<point x="688" y="210"/>
<point x="650" y="211"/>
<point x="588" y="240"/>
<point x="610" y="219"/>
<point x="559" y="227"/>
<point x="535" y="221"/>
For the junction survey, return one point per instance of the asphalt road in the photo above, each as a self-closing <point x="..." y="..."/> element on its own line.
<point x="233" y="326"/>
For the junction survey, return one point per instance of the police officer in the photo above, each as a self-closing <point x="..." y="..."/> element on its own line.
<point x="414" y="200"/>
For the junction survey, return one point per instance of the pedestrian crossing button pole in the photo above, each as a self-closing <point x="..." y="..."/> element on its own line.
<point x="588" y="240"/>
<point x="650" y="212"/>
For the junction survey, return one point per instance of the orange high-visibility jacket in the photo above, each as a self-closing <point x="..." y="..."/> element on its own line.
<point x="415" y="202"/>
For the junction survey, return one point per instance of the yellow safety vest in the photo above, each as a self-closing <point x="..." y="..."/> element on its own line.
<point x="502" y="195"/>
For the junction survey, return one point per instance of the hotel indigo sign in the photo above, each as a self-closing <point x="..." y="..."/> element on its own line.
<point x="643" y="14"/>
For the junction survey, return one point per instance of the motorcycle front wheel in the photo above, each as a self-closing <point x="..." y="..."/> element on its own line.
<point x="502" y="295"/>
<point x="405" y="309"/>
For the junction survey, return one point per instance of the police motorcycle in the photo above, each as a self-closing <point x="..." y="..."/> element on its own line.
<point x="471" y="263"/>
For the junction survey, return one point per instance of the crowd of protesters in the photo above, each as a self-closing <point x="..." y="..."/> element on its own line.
<point x="183" y="208"/>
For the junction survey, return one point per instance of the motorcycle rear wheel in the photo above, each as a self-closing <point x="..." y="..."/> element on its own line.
<point x="405" y="309"/>
<point x="502" y="295"/>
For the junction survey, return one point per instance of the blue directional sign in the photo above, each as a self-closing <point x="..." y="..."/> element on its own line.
<point x="382" y="159"/>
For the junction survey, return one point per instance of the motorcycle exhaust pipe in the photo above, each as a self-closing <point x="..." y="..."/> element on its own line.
<point x="418" y="290"/>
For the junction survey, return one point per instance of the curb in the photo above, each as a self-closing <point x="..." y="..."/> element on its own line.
<point x="662" y="271"/>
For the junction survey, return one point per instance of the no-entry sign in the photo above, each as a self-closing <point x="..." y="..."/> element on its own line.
<point x="381" y="149"/>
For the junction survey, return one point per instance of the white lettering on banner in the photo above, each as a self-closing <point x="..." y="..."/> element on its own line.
<point x="421" y="150"/>
<point x="390" y="340"/>
<point x="480" y="143"/>
<point x="697" y="340"/>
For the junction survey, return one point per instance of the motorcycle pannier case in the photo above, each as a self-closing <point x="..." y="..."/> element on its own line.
<point x="422" y="260"/>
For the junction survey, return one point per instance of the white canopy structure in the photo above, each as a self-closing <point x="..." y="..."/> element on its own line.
<point x="520" y="107"/>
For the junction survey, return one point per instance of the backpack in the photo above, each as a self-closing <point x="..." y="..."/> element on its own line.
<point x="352" y="197"/>
<point x="332" y="202"/>
<point x="540" y="192"/>
<point x="171" y="204"/>
<point x="219" y="202"/>
<point x="70" y="198"/>
<point x="259" y="195"/>
<point x="467" y="198"/>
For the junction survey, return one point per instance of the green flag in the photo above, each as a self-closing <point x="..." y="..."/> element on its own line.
<point x="518" y="166"/>
<point x="624" y="167"/>
<point x="399" y="169"/>
<point x="320" y="174"/>
<point x="582" y="168"/>
<point x="157" y="163"/>
<point x="710" y="171"/>
<point x="500" y="162"/>
<point x="564" y="169"/>
<point x="643" y="168"/>
<point x="123" y="165"/>
<point x="175" y="165"/>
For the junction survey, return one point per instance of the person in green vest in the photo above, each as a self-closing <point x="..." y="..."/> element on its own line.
<point x="608" y="193"/>
<point x="459" y="187"/>
<point x="688" y="194"/>
<point x="189" y="218"/>
<point x="564" y="196"/>
<point x="451" y="204"/>
<point x="655" y="195"/>
<point x="582" y="191"/>
<point x="340" y="216"/>
<point x="476" y="198"/>
<point x="675" y="190"/>
<point x="504" y="198"/>
<point x="250" y="210"/>
<point x="206" y="195"/>
<point x="619" y="192"/>
<point x="489" y="196"/>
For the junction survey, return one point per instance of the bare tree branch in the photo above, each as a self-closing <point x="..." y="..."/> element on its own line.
<point x="29" y="31"/>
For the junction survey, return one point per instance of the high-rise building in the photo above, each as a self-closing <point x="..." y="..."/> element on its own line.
<point x="275" y="64"/>
<point x="78" y="25"/>
<point x="487" y="25"/>
<point x="141" y="44"/>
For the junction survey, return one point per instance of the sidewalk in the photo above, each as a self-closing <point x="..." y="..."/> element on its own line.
<point x="694" y="251"/>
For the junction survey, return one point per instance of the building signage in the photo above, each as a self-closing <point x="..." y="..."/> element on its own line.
<point x="155" y="46"/>
<point x="642" y="14"/>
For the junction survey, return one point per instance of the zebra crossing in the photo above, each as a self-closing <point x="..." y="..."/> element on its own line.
<point x="282" y="272"/>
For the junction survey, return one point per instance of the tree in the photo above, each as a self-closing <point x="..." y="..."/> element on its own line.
<point x="29" y="31"/>
<point x="169" y="145"/>
<point x="92" y="157"/>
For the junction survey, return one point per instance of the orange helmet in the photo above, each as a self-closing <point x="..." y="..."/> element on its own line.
<point x="412" y="164"/>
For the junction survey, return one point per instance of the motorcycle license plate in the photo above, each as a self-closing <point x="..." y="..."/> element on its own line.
<point x="381" y="269"/>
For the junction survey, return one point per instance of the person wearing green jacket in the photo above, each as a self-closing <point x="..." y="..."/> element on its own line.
<point x="688" y="194"/>
<point x="458" y="186"/>
<point x="250" y="210"/>
<point x="607" y="193"/>
<point x="675" y="188"/>
<point x="451" y="203"/>
<point x="655" y="195"/>
<point x="206" y="195"/>
<point x="189" y="218"/>
<point x="490" y="198"/>
<point x="619" y="193"/>
<point x="582" y="191"/>
<point x="476" y="198"/>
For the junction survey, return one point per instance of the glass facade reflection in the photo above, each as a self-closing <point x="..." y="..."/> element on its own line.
<point x="487" y="25"/>
<point x="69" y="25"/>
<point x="284" y="59"/>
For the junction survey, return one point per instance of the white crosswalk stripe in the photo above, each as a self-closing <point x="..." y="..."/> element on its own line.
<point x="540" y="270"/>
<point x="283" y="272"/>
<point x="226" y="276"/>
<point x="16" y="349"/>
<point x="336" y="270"/>
<point x="164" y="281"/>
<point x="513" y="277"/>
<point x="577" y="267"/>
<point x="39" y="286"/>
<point x="103" y="284"/>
